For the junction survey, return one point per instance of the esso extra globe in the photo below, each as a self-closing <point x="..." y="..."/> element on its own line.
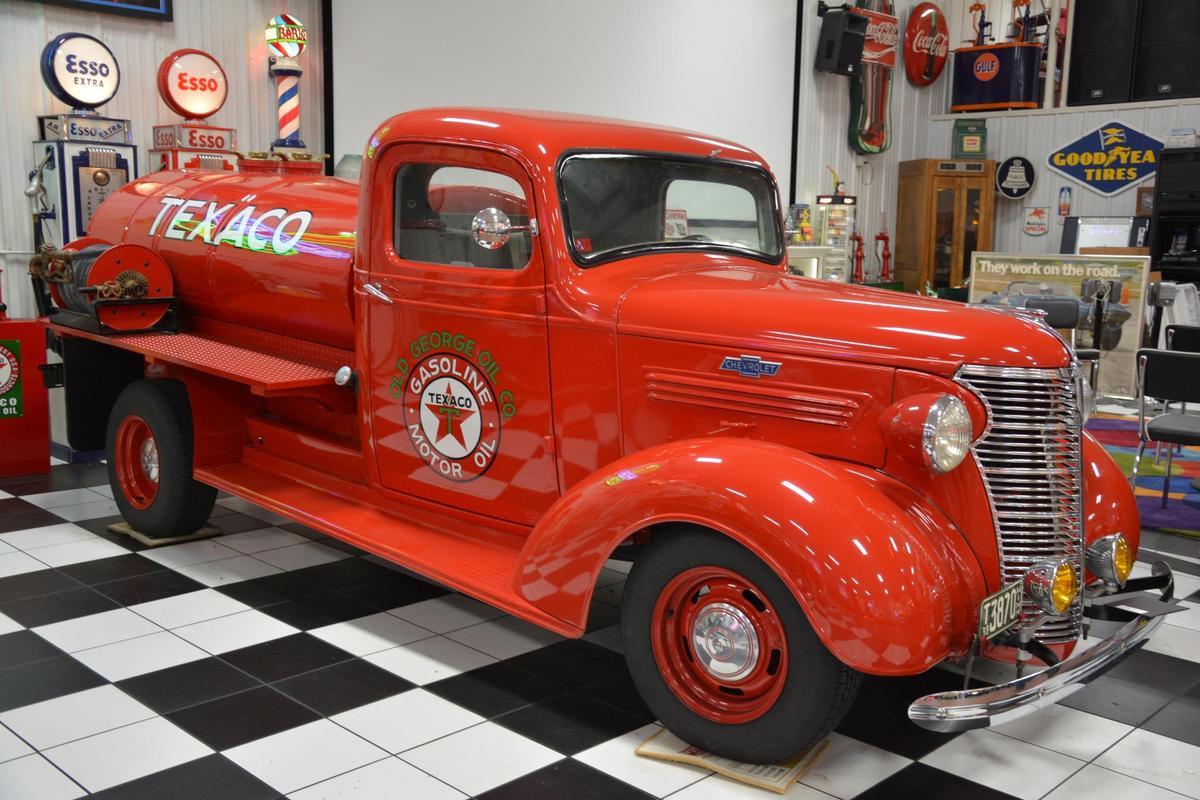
<point x="80" y="70"/>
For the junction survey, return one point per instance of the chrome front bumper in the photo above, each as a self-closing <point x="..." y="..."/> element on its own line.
<point x="950" y="712"/>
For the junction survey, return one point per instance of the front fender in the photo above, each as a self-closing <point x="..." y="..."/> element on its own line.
<point x="1109" y="503"/>
<point x="886" y="580"/>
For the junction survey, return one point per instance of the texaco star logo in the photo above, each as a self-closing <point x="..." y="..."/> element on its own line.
<point x="451" y="416"/>
<point x="10" y="370"/>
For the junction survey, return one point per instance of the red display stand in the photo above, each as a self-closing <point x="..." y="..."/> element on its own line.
<point x="24" y="405"/>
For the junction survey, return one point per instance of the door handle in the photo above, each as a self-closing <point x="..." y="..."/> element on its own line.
<point x="377" y="292"/>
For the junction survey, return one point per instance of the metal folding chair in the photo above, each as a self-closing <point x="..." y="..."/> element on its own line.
<point x="1166" y="376"/>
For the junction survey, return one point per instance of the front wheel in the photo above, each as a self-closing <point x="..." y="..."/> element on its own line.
<point x="723" y="654"/>
<point x="150" y="460"/>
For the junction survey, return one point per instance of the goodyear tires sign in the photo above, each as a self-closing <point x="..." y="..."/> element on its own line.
<point x="1108" y="160"/>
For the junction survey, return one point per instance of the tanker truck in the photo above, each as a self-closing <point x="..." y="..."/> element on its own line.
<point x="527" y="343"/>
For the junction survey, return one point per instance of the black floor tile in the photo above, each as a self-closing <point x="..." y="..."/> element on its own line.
<point x="345" y="547"/>
<point x="17" y="515"/>
<point x="573" y="662"/>
<point x="171" y="689"/>
<point x="566" y="778"/>
<point x="346" y="573"/>
<point x="151" y="586"/>
<point x="259" y="592"/>
<point x="1158" y="671"/>
<point x="929" y="783"/>
<point x="394" y="591"/>
<point x="235" y="522"/>
<point x="50" y="608"/>
<point x="34" y="584"/>
<point x="315" y="612"/>
<point x="100" y="528"/>
<point x="240" y="718"/>
<point x="618" y="691"/>
<point x="102" y="570"/>
<point x="496" y="689"/>
<point x="1116" y="699"/>
<point x="213" y="776"/>
<point x="1180" y="719"/>
<point x="343" y="686"/>
<point x="571" y="723"/>
<point x="23" y="647"/>
<point x="601" y="616"/>
<point x="64" y="476"/>
<point x="879" y="714"/>
<point x="43" y="680"/>
<point x="304" y="530"/>
<point x="283" y="658"/>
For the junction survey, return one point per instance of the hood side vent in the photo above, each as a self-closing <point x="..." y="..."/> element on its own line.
<point x="812" y="404"/>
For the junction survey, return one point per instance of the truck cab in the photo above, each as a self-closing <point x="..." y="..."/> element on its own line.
<point x="526" y="343"/>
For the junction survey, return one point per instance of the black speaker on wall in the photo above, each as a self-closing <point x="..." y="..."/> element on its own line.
<point x="1168" y="56"/>
<point x="1103" y="44"/>
<point x="840" y="46"/>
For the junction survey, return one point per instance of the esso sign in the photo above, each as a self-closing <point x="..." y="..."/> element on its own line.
<point x="192" y="83"/>
<point x="80" y="70"/>
<point x="926" y="44"/>
<point x="200" y="140"/>
<point x="986" y="67"/>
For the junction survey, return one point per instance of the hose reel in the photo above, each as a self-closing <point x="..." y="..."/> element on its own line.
<point x="124" y="287"/>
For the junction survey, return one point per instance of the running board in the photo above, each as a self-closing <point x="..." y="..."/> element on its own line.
<point x="480" y="567"/>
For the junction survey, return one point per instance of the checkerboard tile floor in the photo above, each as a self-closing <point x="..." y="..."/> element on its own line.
<point x="272" y="661"/>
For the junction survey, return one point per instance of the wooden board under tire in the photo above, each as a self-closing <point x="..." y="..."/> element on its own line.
<point x="207" y="532"/>
<point x="666" y="746"/>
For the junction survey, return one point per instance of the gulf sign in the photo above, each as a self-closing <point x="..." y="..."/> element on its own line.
<point x="192" y="83"/>
<point x="1109" y="159"/>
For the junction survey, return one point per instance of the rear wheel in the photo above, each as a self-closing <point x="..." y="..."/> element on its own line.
<point x="723" y="654"/>
<point x="149" y="446"/>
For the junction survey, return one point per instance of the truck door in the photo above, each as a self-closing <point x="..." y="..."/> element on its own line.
<point x="457" y="336"/>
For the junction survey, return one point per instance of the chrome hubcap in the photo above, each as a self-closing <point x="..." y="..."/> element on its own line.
<point x="150" y="459"/>
<point x="725" y="642"/>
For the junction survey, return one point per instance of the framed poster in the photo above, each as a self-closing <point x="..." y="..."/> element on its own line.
<point x="153" y="10"/>
<point x="1011" y="279"/>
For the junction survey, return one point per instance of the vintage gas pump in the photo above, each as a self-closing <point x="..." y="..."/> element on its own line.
<point x="80" y="157"/>
<point x="24" y="414"/>
<point x="193" y="85"/>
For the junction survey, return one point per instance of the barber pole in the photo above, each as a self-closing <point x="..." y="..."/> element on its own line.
<point x="286" y="39"/>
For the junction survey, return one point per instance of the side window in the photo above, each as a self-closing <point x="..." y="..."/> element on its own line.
<point x="707" y="210"/>
<point x="434" y="208"/>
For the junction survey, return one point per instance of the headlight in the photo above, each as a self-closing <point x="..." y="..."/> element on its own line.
<point x="1052" y="586"/>
<point x="946" y="437"/>
<point x="1110" y="558"/>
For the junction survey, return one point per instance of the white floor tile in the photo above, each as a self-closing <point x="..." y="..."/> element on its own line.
<point x="75" y="716"/>
<point x="1188" y="618"/>
<point x="4" y="495"/>
<point x="1002" y="763"/>
<point x="389" y="779"/>
<point x="122" y="660"/>
<point x="103" y="491"/>
<point x="1156" y="759"/>
<point x="371" y="634"/>
<point x="425" y="717"/>
<point x="223" y="634"/>
<point x="9" y="625"/>
<point x="228" y="570"/>
<point x="718" y="787"/>
<point x="505" y="638"/>
<point x="616" y="758"/>
<point x="84" y="633"/>
<point x="429" y="660"/>
<point x="497" y="755"/>
<point x="299" y="556"/>
<point x="33" y="538"/>
<point x="263" y="539"/>
<point x="5" y="547"/>
<point x="99" y="507"/>
<point x="305" y="755"/>
<point x="1067" y="731"/>
<point x="448" y="613"/>
<point x="849" y="767"/>
<point x="1093" y="781"/>
<point x="60" y="555"/>
<point x="121" y="755"/>
<point x="181" y="555"/>
<point x="184" y="609"/>
<point x="11" y="745"/>
<point x="64" y="497"/>
<point x="609" y="637"/>
<point x="1172" y="640"/>
<point x="35" y="777"/>
<point x="18" y="563"/>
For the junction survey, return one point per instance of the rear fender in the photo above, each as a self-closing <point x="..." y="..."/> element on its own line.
<point x="886" y="581"/>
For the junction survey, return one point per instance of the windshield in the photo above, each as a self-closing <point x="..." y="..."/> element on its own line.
<point x="618" y="204"/>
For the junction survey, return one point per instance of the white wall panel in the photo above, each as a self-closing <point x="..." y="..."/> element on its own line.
<point x="231" y="31"/>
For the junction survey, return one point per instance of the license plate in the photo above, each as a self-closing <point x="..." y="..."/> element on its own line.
<point x="999" y="611"/>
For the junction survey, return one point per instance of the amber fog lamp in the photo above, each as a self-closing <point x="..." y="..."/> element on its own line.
<point x="1110" y="558"/>
<point x="1052" y="586"/>
<point x="931" y="430"/>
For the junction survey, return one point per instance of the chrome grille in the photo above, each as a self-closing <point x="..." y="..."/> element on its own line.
<point x="1031" y="462"/>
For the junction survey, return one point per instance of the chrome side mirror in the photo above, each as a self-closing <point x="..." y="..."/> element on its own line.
<point x="491" y="228"/>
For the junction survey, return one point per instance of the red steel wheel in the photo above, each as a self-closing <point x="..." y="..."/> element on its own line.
<point x="137" y="462"/>
<point x="719" y="644"/>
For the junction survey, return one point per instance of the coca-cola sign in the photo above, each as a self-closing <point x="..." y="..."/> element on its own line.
<point x="926" y="44"/>
<point x="883" y="34"/>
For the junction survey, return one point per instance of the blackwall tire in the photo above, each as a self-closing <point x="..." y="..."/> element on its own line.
<point x="149" y="449"/>
<point x="695" y="583"/>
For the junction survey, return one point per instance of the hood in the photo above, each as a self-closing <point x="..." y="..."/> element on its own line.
<point x="754" y="309"/>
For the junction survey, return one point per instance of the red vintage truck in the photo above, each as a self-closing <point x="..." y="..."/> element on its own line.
<point x="526" y="343"/>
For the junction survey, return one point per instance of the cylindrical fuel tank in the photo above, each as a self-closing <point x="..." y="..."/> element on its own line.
<point x="268" y="247"/>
